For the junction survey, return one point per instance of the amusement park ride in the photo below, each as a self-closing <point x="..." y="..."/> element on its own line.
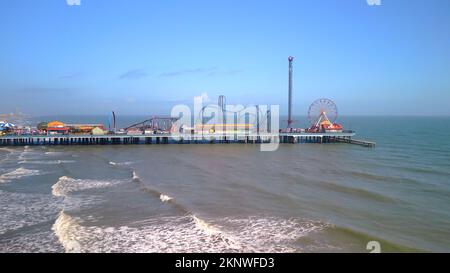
<point x="322" y="115"/>
<point x="154" y="125"/>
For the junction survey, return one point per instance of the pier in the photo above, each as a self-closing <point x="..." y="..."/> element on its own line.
<point x="360" y="142"/>
<point x="72" y="139"/>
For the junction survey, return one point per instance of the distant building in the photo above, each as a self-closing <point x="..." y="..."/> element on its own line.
<point x="42" y="126"/>
<point x="224" y="128"/>
<point x="57" y="127"/>
<point x="84" y="128"/>
<point x="98" y="131"/>
<point x="134" y="132"/>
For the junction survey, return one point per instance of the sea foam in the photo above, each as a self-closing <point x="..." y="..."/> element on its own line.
<point x="165" y="198"/>
<point x="184" y="234"/>
<point x="66" y="185"/>
<point x="17" y="174"/>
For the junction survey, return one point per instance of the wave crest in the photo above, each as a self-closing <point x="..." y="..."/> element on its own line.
<point x="17" y="174"/>
<point x="65" y="228"/>
<point x="66" y="185"/>
<point x="165" y="198"/>
<point x="185" y="234"/>
<point x="120" y="163"/>
<point x="135" y="176"/>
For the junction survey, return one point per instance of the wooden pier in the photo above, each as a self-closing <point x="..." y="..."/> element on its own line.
<point x="24" y="140"/>
<point x="360" y="142"/>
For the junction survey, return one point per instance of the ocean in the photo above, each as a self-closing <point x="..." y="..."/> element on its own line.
<point x="232" y="197"/>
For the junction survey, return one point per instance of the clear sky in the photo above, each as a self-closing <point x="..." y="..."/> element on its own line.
<point x="142" y="56"/>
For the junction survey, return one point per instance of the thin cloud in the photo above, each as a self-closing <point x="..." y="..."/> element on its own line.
<point x="189" y="72"/>
<point x="234" y="72"/>
<point x="134" y="74"/>
<point x="226" y="73"/>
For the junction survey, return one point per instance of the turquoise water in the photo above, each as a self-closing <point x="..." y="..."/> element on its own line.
<point x="232" y="197"/>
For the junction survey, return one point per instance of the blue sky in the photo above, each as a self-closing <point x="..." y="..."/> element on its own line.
<point x="143" y="57"/>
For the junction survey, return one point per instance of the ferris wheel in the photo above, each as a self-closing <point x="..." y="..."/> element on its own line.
<point x="322" y="107"/>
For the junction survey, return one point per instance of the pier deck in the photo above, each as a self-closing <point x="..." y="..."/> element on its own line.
<point x="356" y="142"/>
<point x="22" y="140"/>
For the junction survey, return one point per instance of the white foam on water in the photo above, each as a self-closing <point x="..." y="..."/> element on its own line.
<point x="26" y="151"/>
<point x="65" y="185"/>
<point x="9" y="153"/>
<point x="184" y="234"/>
<point x="273" y="233"/>
<point x="43" y="241"/>
<point x="9" y="150"/>
<point x="135" y="176"/>
<point x="19" y="210"/>
<point x="208" y="228"/>
<point x="65" y="229"/>
<point x="165" y="198"/>
<point x="54" y="153"/>
<point x="17" y="174"/>
<point x="47" y="162"/>
<point x="126" y="163"/>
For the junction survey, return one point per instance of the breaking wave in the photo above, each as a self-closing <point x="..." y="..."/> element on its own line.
<point x="165" y="198"/>
<point x="207" y="228"/>
<point x="65" y="229"/>
<point x="17" y="174"/>
<point x="135" y="176"/>
<point x="66" y="185"/>
<point x="184" y="234"/>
